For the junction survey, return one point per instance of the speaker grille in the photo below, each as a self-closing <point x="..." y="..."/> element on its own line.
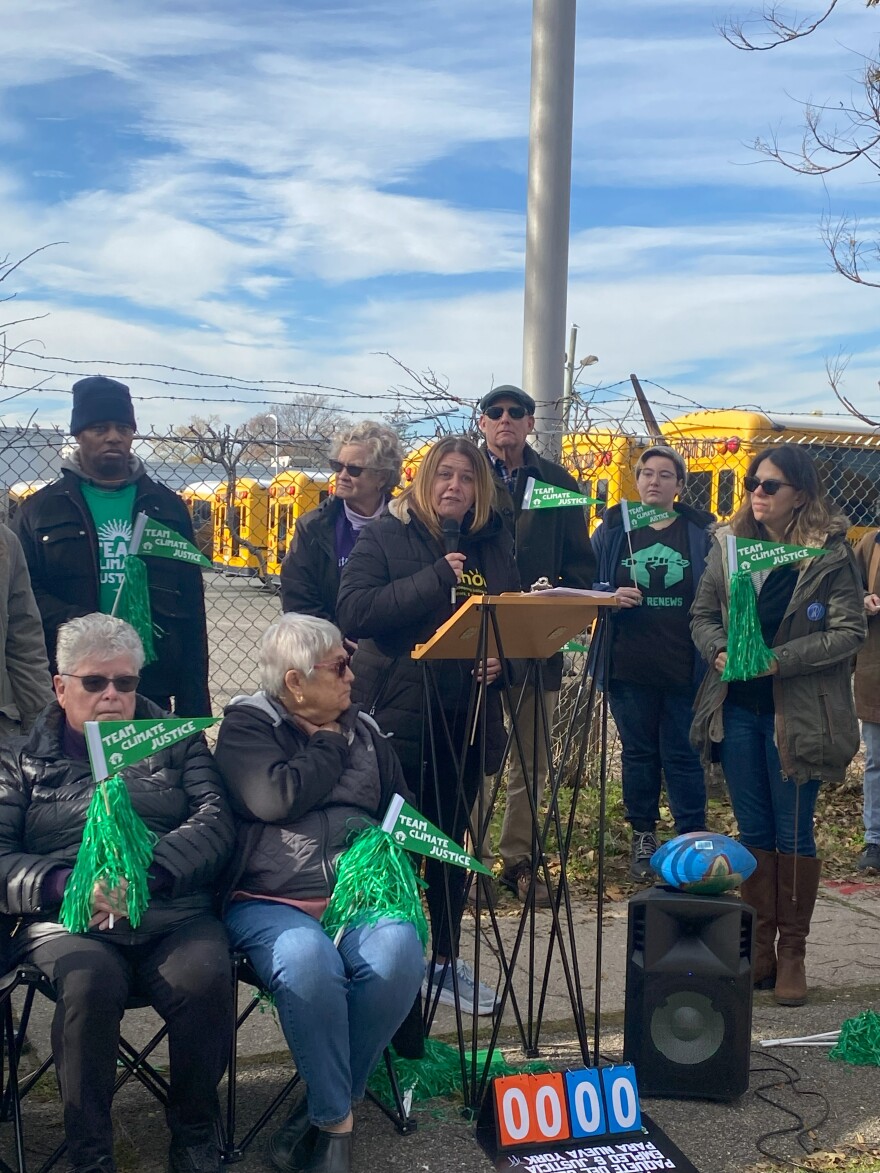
<point x="686" y="1028"/>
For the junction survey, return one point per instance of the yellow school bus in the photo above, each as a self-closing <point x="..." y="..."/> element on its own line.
<point x="603" y="463"/>
<point x="198" y="497"/>
<point x="291" y="494"/>
<point x="19" y="492"/>
<point x="243" y="545"/>
<point x="718" y="447"/>
<point x="412" y="462"/>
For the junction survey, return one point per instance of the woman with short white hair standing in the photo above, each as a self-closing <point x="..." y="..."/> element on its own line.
<point x="366" y="460"/>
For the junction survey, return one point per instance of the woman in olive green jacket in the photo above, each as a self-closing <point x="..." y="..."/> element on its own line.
<point x="25" y="683"/>
<point x="780" y="735"/>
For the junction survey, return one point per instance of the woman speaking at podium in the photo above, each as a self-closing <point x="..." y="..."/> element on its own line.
<point x="439" y="542"/>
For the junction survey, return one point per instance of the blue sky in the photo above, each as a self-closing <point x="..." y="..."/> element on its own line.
<point x="286" y="190"/>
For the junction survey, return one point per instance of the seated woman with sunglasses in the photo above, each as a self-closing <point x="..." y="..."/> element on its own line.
<point x="367" y="459"/>
<point x="305" y="768"/>
<point x="177" y="957"/>
<point x="780" y="735"/>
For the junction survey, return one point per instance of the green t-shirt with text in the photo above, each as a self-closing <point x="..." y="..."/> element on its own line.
<point x="111" y="511"/>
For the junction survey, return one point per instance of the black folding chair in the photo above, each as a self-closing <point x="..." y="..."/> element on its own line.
<point x="232" y="1150"/>
<point x="134" y="1061"/>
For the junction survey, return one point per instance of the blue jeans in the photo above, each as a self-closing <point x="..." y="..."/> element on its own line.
<point x="654" y="725"/>
<point x="871" y="811"/>
<point x="774" y="813"/>
<point x="338" y="1007"/>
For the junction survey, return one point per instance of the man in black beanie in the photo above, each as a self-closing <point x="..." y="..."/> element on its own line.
<point x="75" y="535"/>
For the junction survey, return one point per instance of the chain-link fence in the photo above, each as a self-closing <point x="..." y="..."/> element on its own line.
<point x="244" y="500"/>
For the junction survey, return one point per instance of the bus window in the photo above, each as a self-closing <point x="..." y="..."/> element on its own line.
<point x="851" y="477"/>
<point x="726" y="487"/>
<point x="284" y="511"/>
<point x="239" y="520"/>
<point x="601" y="495"/>
<point x="323" y="494"/>
<point x="699" y="490"/>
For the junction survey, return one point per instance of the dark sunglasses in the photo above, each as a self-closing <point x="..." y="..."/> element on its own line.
<point x="770" y="487"/>
<point x="353" y="470"/>
<point x="340" y="667"/>
<point x="515" y="413"/>
<point x="99" y="683"/>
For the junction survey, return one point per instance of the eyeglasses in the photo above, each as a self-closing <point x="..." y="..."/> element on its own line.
<point x="340" y="667"/>
<point x="649" y="474"/>
<point x="99" y="683"/>
<point x="770" y="487"/>
<point x="353" y="470"/>
<point x="515" y="413"/>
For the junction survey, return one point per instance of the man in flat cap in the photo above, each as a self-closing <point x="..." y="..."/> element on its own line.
<point x="75" y="535"/>
<point x="552" y="544"/>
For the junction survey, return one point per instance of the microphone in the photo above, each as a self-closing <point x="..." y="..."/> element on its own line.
<point x="451" y="542"/>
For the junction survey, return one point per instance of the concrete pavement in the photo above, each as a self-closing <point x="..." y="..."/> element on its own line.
<point x="843" y="963"/>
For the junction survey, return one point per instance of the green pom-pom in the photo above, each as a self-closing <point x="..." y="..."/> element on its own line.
<point x="859" y="1041"/>
<point x="375" y="880"/>
<point x="747" y="654"/>
<point x="116" y="845"/>
<point x="439" y="1072"/>
<point x="133" y="604"/>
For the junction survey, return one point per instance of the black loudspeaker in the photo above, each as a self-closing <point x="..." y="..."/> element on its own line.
<point x="688" y="1024"/>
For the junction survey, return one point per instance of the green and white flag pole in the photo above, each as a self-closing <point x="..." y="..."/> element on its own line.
<point x="375" y="879"/>
<point x="540" y="495"/>
<point x="132" y="602"/>
<point x="117" y="845"/>
<point x="747" y="654"/>
<point x="635" y="515"/>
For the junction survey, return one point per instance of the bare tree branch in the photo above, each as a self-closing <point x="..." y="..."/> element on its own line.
<point x="850" y="256"/>
<point x="778" y="30"/>
<point x="835" y="369"/>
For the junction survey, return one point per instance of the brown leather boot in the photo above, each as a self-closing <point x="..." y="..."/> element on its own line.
<point x="797" y="885"/>
<point x="759" y="890"/>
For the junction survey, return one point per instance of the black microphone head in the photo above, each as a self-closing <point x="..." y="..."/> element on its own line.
<point x="451" y="534"/>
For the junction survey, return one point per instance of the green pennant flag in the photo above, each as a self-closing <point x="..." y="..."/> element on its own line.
<point x="113" y="745"/>
<point x="750" y="555"/>
<point x="539" y="495"/>
<point x="413" y="832"/>
<point x="635" y="515"/>
<point x="574" y="646"/>
<point x="161" y="541"/>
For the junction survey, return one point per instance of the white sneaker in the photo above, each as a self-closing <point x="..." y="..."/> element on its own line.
<point x="467" y="988"/>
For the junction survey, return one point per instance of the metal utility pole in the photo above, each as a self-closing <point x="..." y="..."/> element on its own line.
<point x="547" y="216"/>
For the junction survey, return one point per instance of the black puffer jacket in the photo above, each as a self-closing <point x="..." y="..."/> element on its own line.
<point x="297" y="798"/>
<point x="44" y="799"/>
<point x="550" y="543"/>
<point x="60" y="545"/>
<point x="395" y="593"/>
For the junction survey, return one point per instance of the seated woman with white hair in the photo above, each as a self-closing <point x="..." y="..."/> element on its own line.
<point x="305" y="768"/>
<point x="178" y="956"/>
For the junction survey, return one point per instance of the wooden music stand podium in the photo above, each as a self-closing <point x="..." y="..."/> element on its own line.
<point x="523" y="627"/>
<point x="530" y="626"/>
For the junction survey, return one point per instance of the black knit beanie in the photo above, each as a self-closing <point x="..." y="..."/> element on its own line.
<point x="97" y="400"/>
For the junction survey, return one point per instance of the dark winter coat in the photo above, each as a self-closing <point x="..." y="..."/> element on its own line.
<point x="310" y="573"/>
<point x="395" y="593"/>
<point x="608" y="543"/>
<point x="60" y="545"/>
<point x="867" y="675"/>
<point x="550" y="543"/>
<point x="817" y="733"/>
<point x="297" y="798"/>
<point x="44" y="800"/>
